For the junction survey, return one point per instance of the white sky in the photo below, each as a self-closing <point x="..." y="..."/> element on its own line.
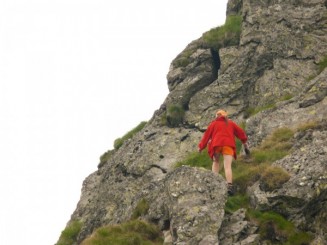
<point x="74" y="76"/>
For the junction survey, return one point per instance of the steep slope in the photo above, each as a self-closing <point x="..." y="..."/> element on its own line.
<point x="269" y="74"/>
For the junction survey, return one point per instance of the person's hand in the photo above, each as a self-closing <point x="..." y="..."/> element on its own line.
<point x="199" y="150"/>
<point x="246" y="149"/>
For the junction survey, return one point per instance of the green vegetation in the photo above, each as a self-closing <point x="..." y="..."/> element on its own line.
<point x="141" y="209"/>
<point x="273" y="148"/>
<point x="276" y="228"/>
<point x="195" y="159"/>
<point x="69" y="234"/>
<point x="236" y="202"/>
<point x="105" y="157"/>
<point x="174" y="116"/>
<point x="251" y="111"/>
<point x="216" y="38"/>
<point x="308" y="125"/>
<point x="267" y="156"/>
<point x="273" y="178"/>
<point x="322" y="64"/>
<point x="272" y="226"/>
<point x="134" y="232"/>
<point x="226" y="35"/>
<point x="119" y="142"/>
<point x="247" y="171"/>
<point x="299" y="238"/>
<point x="286" y="97"/>
<point x="278" y="140"/>
<point x="183" y="59"/>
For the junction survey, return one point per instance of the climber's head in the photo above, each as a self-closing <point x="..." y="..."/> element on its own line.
<point x="220" y="113"/>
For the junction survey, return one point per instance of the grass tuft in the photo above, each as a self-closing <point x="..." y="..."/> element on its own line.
<point x="236" y="202"/>
<point x="277" y="229"/>
<point x="279" y="140"/>
<point x="105" y="157"/>
<point x="226" y="35"/>
<point x="309" y="125"/>
<point x="322" y="64"/>
<point x="174" y="116"/>
<point x="69" y="234"/>
<point x="196" y="159"/>
<point x="141" y="209"/>
<point x="134" y="232"/>
<point x="286" y="97"/>
<point x="273" y="178"/>
<point x="267" y="156"/>
<point x="251" y="111"/>
<point x="299" y="238"/>
<point x="246" y="174"/>
<point x="183" y="59"/>
<point x="119" y="142"/>
<point x="272" y="226"/>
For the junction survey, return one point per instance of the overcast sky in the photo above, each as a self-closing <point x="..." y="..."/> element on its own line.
<point x="74" y="76"/>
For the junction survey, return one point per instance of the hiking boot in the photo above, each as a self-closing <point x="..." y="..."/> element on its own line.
<point x="230" y="189"/>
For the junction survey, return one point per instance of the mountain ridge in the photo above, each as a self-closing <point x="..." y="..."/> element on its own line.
<point x="266" y="67"/>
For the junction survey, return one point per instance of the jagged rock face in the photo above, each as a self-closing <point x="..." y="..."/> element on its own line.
<point x="290" y="38"/>
<point x="280" y="47"/>
<point x="237" y="228"/>
<point x="308" y="170"/>
<point x="307" y="106"/>
<point x="110" y="195"/>
<point x="281" y="43"/>
<point x="188" y="202"/>
<point x="187" y="79"/>
<point x="192" y="202"/>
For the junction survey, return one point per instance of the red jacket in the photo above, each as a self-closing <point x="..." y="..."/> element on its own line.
<point x="221" y="133"/>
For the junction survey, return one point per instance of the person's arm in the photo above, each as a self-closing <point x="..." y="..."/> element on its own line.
<point x="205" y="138"/>
<point x="240" y="133"/>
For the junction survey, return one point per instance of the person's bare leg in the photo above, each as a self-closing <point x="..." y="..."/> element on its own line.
<point x="228" y="168"/>
<point x="215" y="163"/>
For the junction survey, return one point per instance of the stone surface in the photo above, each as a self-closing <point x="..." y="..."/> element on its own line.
<point x="275" y="72"/>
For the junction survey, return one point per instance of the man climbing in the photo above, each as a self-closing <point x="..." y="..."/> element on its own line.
<point x="220" y="139"/>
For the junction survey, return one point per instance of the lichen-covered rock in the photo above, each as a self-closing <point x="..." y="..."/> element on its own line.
<point x="281" y="44"/>
<point x="192" y="201"/>
<point x="315" y="213"/>
<point x="237" y="230"/>
<point x="189" y="202"/>
<point x="307" y="185"/>
<point x="191" y="71"/>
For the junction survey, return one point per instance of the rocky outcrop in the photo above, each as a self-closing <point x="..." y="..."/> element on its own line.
<point x="187" y="202"/>
<point x="308" y="170"/>
<point x="237" y="230"/>
<point x="191" y="201"/>
<point x="274" y="78"/>
<point x="280" y="46"/>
